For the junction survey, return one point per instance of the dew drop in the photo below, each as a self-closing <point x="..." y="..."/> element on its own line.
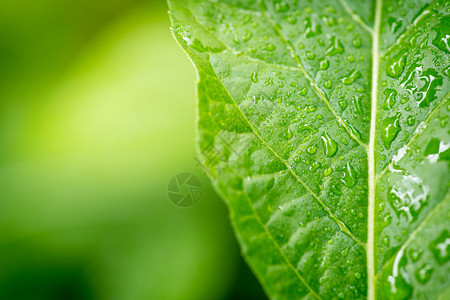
<point x="432" y="81"/>
<point x="303" y="91"/>
<point x="329" y="144"/>
<point x="310" y="108"/>
<point x="335" y="189"/>
<point x="349" y="176"/>
<point x="442" y="37"/>
<point x="327" y="171"/>
<point x="312" y="149"/>
<point x="396" y="65"/>
<point x="351" y="77"/>
<point x="315" y="165"/>
<point x="410" y="121"/>
<point x="335" y="47"/>
<point x="281" y="7"/>
<point x="289" y="134"/>
<point x="328" y="84"/>
<point x="394" y="24"/>
<point x="415" y="255"/>
<point x="308" y="128"/>
<point x="254" y="77"/>
<point x="390" y="98"/>
<point x="269" y="47"/>
<point x="312" y="28"/>
<point x="357" y="42"/>
<point x="324" y="64"/>
<point x="424" y="273"/>
<point x="441" y="248"/>
<point x="357" y="104"/>
<point x="310" y="55"/>
<point x="291" y="20"/>
<point x="343" y="104"/>
<point x="398" y="288"/>
<point x="391" y="128"/>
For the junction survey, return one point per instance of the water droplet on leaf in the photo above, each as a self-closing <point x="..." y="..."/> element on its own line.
<point x="329" y="145"/>
<point x="391" y="128"/>
<point x="396" y="65"/>
<point x="335" y="47"/>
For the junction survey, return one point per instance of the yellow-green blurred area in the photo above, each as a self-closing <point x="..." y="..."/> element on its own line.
<point x="97" y="115"/>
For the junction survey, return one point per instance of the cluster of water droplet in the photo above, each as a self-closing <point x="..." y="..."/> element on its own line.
<point x="300" y="72"/>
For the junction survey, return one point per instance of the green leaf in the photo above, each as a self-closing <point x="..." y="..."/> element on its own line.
<point x="324" y="126"/>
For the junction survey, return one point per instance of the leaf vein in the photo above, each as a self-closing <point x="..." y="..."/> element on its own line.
<point x="418" y="132"/>
<point x="316" y="88"/>
<point x="288" y="262"/>
<point x="355" y="16"/>
<point x="408" y="28"/>
<point x="413" y="234"/>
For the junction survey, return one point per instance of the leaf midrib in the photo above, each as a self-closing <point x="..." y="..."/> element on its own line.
<point x="370" y="252"/>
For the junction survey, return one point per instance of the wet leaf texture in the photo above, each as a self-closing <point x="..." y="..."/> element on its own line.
<point x="286" y="93"/>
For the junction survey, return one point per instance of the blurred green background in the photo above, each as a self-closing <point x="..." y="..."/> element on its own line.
<point x="97" y="115"/>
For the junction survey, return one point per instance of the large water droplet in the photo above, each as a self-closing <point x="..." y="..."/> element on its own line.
<point x="312" y="28"/>
<point x="357" y="105"/>
<point x="312" y="149"/>
<point x="441" y="248"/>
<point x="324" y="64"/>
<point x="424" y="273"/>
<point x="396" y="286"/>
<point x="315" y="165"/>
<point x="281" y="7"/>
<point x="269" y="47"/>
<point x="335" y="47"/>
<point x="310" y="55"/>
<point x="349" y="176"/>
<point x="335" y="189"/>
<point x="309" y="128"/>
<point x="390" y="98"/>
<point x="415" y="254"/>
<point x="398" y="289"/>
<point x="432" y="80"/>
<point x="394" y="24"/>
<point x="432" y="147"/>
<point x="303" y="91"/>
<point x="357" y="42"/>
<point x="396" y="65"/>
<point x="289" y="134"/>
<point x="329" y="145"/>
<point x="442" y="34"/>
<point x="391" y="128"/>
<point x="351" y="77"/>
<point x="411" y="121"/>
<point x="254" y="77"/>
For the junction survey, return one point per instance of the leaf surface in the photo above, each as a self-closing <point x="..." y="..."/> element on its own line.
<point x="324" y="126"/>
